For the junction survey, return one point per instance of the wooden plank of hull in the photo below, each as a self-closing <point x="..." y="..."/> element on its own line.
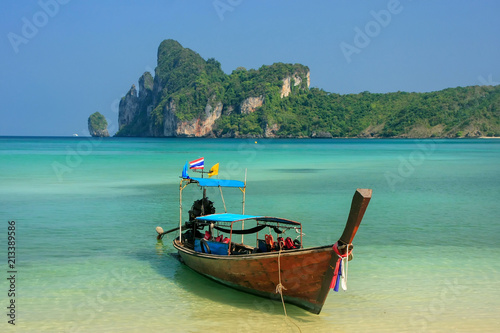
<point x="306" y="273"/>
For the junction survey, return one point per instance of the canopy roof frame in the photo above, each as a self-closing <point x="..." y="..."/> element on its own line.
<point x="226" y="217"/>
<point x="210" y="182"/>
<point x="234" y="218"/>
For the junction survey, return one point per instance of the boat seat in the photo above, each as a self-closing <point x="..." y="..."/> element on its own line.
<point x="238" y="248"/>
<point x="215" y="247"/>
<point x="262" y="245"/>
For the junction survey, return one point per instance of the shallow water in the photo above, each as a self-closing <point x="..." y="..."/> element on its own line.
<point x="426" y="254"/>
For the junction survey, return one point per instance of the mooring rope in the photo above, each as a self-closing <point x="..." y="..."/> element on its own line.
<point x="280" y="287"/>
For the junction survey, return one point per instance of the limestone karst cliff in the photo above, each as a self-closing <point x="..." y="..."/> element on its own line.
<point x="189" y="96"/>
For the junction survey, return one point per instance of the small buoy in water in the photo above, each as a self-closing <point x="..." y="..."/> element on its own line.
<point x="256" y="142"/>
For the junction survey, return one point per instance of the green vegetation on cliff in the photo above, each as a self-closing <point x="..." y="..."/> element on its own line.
<point x="190" y="82"/>
<point x="97" y="124"/>
<point x="98" y="121"/>
<point x="186" y="90"/>
<point x="453" y="112"/>
<point x="186" y="79"/>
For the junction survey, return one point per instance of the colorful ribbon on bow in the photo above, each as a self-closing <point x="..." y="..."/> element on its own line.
<point x="338" y="271"/>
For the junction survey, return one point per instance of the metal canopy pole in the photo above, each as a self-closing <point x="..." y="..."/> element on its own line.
<point x="203" y="201"/>
<point x="244" y="189"/>
<point x="180" y="212"/>
<point x="222" y="196"/>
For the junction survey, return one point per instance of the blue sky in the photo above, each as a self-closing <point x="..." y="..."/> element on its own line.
<point x="61" y="60"/>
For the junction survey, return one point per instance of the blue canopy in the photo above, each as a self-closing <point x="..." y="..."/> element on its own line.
<point x="226" y="217"/>
<point x="209" y="182"/>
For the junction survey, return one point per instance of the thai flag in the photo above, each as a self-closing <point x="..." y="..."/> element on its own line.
<point x="197" y="164"/>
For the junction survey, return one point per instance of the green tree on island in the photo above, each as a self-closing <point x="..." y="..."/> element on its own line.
<point x="98" y="126"/>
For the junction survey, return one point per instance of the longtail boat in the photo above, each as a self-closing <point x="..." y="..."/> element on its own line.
<point x="274" y="265"/>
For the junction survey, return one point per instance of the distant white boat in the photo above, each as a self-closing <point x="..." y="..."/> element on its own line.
<point x="75" y="134"/>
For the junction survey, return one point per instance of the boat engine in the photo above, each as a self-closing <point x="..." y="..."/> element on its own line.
<point x="200" y="208"/>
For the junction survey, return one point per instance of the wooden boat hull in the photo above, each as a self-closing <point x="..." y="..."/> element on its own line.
<point x="305" y="273"/>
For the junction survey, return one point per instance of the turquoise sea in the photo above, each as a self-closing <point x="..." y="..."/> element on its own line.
<point x="426" y="257"/>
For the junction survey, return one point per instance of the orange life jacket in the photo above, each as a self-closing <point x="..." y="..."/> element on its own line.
<point x="270" y="241"/>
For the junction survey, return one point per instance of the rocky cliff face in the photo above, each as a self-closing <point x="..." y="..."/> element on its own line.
<point x="250" y="104"/>
<point x="98" y="133"/>
<point x="128" y="107"/>
<point x="169" y="121"/>
<point x="188" y="94"/>
<point x="201" y="126"/>
<point x="297" y="81"/>
<point x="135" y="108"/>
<point x="271" y="130"/>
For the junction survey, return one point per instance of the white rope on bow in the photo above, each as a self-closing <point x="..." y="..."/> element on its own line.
<point x="344" y="265"/>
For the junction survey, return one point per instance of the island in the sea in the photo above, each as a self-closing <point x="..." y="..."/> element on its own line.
<point x="192" y="97"/>
<point x="98" y="125"/>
